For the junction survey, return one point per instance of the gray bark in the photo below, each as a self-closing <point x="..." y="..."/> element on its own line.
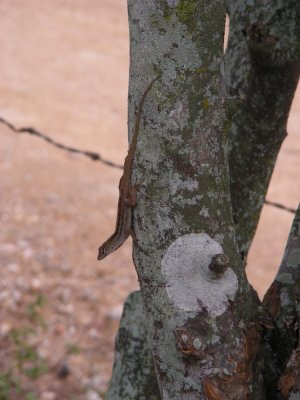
<point x="134" y="376"/>
<point x="261" y="71"/>
<point x="185" y="192"/>
<point x="282" y="344"/>
<point x="175" y="220"/>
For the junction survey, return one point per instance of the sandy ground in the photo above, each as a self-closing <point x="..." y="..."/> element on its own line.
<point x="64" y="70"/>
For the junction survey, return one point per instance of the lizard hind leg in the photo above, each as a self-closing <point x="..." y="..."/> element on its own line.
<point x="135" y="240"/>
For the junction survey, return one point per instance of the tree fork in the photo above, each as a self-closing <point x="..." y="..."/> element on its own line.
<point x="185" y="342"/>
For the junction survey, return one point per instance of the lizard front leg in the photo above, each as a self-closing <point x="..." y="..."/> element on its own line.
<point x="130" y="200"/>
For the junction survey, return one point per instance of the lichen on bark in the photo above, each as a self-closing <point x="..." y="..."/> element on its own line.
<point x="183" y="131"/>
<point x="261" y="70"/>
<point x="185" y="188"/>
<point x="133" y="372"/>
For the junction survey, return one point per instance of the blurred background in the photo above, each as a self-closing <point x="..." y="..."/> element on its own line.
<point x="64" y="70"/>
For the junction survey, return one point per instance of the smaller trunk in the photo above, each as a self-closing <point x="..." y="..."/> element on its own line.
<point x="281" y="344"/>
<point x="133" y="372"/>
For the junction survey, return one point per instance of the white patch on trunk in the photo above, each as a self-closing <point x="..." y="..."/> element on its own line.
<point x="190" y="284"/>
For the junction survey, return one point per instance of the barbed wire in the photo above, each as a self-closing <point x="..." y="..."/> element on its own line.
<point x="32" y="131"/>
<point x="96" y="156"/>
<point x="281" y="206"/>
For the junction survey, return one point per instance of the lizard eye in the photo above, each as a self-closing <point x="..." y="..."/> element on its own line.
<point x="103" y="252"/>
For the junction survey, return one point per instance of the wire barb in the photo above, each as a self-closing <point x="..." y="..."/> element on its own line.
<point x="32" y="131"/>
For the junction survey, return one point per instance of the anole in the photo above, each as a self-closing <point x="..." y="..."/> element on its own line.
<point x="126" y="191"/>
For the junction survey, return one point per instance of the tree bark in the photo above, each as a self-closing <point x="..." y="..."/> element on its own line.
<point x="181" y="228"/>
<point x="281" y="343"/>
<point x="133" y="372"/>
<point x="261" y="70"/>
<point x="205" y="350"/>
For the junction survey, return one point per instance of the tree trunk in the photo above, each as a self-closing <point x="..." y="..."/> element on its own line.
<point x="198" y="201"/>
<point x="134" y="375"/>
<point x="261" y="71"/>
<point x="281" y="345"/>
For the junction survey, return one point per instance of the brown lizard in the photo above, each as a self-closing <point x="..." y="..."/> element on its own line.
<point x="126" y="192"/>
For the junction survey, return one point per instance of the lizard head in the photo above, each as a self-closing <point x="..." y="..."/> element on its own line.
<point x="107" y="247"/>
<point x="102" y="252"/>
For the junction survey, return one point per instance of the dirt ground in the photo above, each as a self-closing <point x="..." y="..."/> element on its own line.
<point x="64" y="70"/>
